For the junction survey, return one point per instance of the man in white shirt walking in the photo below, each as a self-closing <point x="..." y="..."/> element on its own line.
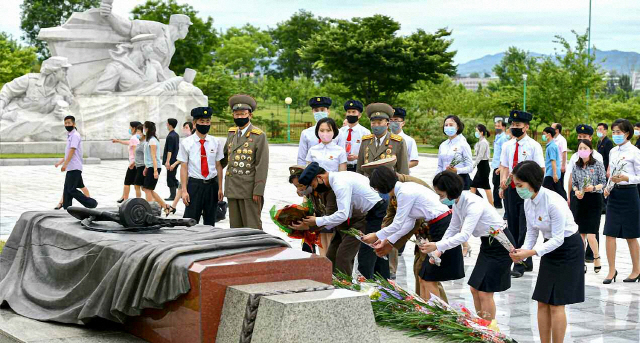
<point x="350" y="136"/>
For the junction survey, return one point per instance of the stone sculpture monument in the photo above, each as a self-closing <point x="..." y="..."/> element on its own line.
<point x="106" y="71"/>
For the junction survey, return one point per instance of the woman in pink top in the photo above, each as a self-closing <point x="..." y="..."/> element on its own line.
<point x="130" y="176"/>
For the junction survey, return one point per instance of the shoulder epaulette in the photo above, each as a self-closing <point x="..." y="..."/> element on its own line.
<point x="365" y="137"/>
<point x="233" y="129"/>
<point x="396" y="138"/>
<point x="256" y="131"/>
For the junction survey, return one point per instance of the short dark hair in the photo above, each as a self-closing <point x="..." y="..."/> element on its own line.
<point x="189" y="124"/>
<point x="293" y="177"/>
<point x="549" y="130"/>
<point x="637" y="124"/>
<point x="72" y="118"/>
<point x="531" y="173"/>
<point x="559" y="128"/>
<point x="383" y="179"/>
<point x="484" y="130"/>
<point x="139" y="127"/>
<point x="331" y="123"/>
<point x="173" y="122"/>
<point x="624" y="126"/>
<point x="450" y="183"/>
<point x="134" y="124"/>
<point x="501" y="122"/>
<point x="606" y="127"/>
<point x="458" y="122"/>
<point x="151" y="130"/>
<point x="592" y="160"/>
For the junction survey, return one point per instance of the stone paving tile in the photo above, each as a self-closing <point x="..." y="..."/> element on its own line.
<point x="610" y="312"/>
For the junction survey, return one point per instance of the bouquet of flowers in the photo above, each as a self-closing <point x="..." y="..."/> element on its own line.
<point x="402" y="310"/>
<point x="499" y="235"/>
<point x="421" y="241"/>
<point x="358" y="235"/>
<point x="457" y="159"/>
<point x="617" y="170"/>
<point x="284" y="217"/>
<point x="585" y="183"/>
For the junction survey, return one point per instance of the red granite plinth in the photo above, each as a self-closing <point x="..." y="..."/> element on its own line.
<point x="195" y="316"/>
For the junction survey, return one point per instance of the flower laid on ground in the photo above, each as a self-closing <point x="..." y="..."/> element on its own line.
<point x="284" y="217"/>
<point x="399" y="309"/>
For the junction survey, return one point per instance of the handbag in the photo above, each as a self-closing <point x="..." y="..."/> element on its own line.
<point x="221" y="211"/>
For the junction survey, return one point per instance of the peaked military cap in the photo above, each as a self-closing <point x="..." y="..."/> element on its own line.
<point x="201" y="112"/>
<point x="242" y="102"/>
<point x="353" y="105"/>
<point x="399" y="112"/>
<point x="584" y="129"/>
<point x="176" y="19"/>
<point x="309" y="173"/>
<point x="320" y="101"/>
<point x="520" y="116"/>
<point x="296" y="170"/>
<point x="379" y="110"/>
<point x="388" y="162"/>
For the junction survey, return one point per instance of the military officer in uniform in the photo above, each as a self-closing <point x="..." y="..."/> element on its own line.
<point x="320" y="106"/>
<point x="246" y="156"/>
<point x="382" y="143"/>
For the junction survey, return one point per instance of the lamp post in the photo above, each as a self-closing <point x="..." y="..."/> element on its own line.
<point x="288" y="102"/>
<point x="524" y="105"/>
<point x="589" y="53"/>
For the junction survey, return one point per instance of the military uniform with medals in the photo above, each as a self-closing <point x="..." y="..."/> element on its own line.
<point x="246" y="156"/>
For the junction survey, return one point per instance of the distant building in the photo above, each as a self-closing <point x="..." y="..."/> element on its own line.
<point x="635" y="80"/>
<point x="471" y="83"/>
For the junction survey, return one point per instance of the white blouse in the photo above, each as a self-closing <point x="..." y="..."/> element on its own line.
<point x="415" y="202"/>
<point x="472" y="215"/>
<point x="329" y="156"/>
<point x="628" y="155"/>
<point x="528" y="150"/>
<point x="548" y="213"/>
<point x="452" y="147"/>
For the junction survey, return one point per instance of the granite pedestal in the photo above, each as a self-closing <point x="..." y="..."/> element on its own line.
<point x="195" y="316"/>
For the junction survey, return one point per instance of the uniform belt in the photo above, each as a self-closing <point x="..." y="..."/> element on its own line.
<point x="440" y="217"/>
<point x="625" y="186"/>
<point x="206" y="182"/>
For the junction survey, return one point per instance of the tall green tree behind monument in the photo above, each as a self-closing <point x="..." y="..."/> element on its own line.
<point x="375" y="63"/>
<point x="196" y="50"/>
<point x="245" y="49"/>
<point x="39" y="14"/>
<point x="15" y="60"/>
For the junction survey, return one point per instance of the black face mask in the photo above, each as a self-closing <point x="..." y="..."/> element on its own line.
<point x="203" y="129"/>
<point x="240" y="122"/>
<point x="498" y="131"/>
<point x="322" y="188"/>
<point x="517" y="132"/>
<point x="69" y="128"/>
<point x="352" y="119"/>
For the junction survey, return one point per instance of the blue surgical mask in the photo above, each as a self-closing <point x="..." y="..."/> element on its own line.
<point x="448" y="201"/>
<point x="394" y="126"/>
<point x="378" y="130"/>
<point x="450" y="130"/>
<point x="636" y="132"/>
<point x="599" y="134"/>
<point x="138" y="135"/>
<point x="319" y="115"/>
<point x="618" y="139"/>
<point x="544" y="138"/>
<point x="130" y="132"/>
<point x="477" y="134"/>
<point x="524" y="193"/>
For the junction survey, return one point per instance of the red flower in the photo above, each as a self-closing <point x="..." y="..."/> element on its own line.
<point x="362" y="279"/>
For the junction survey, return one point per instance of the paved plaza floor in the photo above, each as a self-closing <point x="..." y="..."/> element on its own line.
<point x="611" y="313"/>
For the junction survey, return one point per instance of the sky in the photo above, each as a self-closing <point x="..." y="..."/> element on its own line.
<point x="480" y="27"/>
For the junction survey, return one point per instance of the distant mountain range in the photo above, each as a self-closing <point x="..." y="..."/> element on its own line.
<point x="624" y="62"/>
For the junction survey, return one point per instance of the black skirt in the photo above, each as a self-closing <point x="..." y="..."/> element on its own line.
<point x="561" y="276"/>
<point x="481" y="180"/>
<point x="452" y="265"/>
<point x="150" y="182"/>
<point x="130" y="177"/>
<point x="492" y="272"/>
<point x="139" y="176"/>
<point x="589" y="212"/>
<point x="623" y="213"/>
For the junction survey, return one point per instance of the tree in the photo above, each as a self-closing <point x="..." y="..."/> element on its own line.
<point x="374" y="63"/>
<point x="289" y="36"/>
<point x="625" y="83"/>
<point x="486" y="75"/>
<point x="217" y="84"/>
<point x="195" y="51"/>
<point x="474" y="75"/>
<point x="15" y="60"/>
<point x="39" y="14"/>
<point x="245" y="49"/>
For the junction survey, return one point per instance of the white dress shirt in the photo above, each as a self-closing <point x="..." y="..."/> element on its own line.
<point x="358" y="131"/>
<point x="352" y="192"/>
<point x="412" y="147"/>
<point x="190" y="153"/>
<point x="329" y="156"/>
<point x="528" y="150"/>
<point x="472" y="215"/>
<point x="548" y="213"/>
<point x="574" y="159"/>
<point x="415" y="202"/>
<point x="630" y="155"/>
<point x="451" y="147"/>
<point x="307" y="140"/>
<point x="562" y="147"/>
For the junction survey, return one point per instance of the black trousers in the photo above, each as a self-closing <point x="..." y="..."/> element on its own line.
<point x="172" y="182"/>
<point x="351" y="167"/>
<point x="203" y="196"/>
<point x="495" y="179"/>
<point x="73" y="181"/>
<point x="369" y="264"/>
<point x="517" y="222"/>
<point x="561" y="189"/>
<point x="554" y="186"/>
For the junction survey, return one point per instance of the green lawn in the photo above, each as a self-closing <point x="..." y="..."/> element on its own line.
<point x="5" y="156"/>
<point x="428" y="150"/>
<point x="1" y="245"/>
<point x="280" y="113"/>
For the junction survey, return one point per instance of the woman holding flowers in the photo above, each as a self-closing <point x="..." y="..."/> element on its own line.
<point x="472" y="216"/>
<point x="588" y="180"/>
<point x="623" y="206"/>
<point x="454" y="154"/>
<point x="560" y="278"/>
